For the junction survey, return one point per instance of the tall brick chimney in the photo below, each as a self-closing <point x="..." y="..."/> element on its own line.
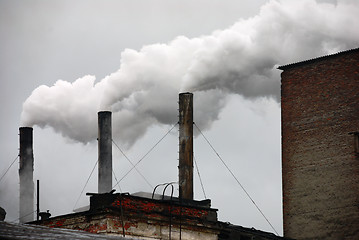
<point x="26" y="175"/>
<point x="104" y="152"/>
<point x="186" y="145"/>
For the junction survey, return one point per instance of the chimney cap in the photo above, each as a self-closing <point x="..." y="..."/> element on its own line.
<point x="104" y="112"/>
<point x="25" y="128"/>
<point x="186" y="93"/>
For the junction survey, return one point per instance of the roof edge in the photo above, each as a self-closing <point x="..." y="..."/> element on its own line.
<point x="295" y="64"/>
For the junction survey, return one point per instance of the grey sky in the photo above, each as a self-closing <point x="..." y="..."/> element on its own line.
<point x="43" y="41"/>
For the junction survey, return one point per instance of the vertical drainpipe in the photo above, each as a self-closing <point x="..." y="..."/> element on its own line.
<point x="186" y="145"/>
<point x="104" y="152"/>
<point x="26" y="175"/>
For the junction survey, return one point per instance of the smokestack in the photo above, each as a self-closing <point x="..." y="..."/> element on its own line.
<point x="104" y="152"/>
<point x="26" y="175"/>
<point x="186" y="145"/>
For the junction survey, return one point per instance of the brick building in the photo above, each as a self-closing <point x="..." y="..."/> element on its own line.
<point x="145" y="215"/>
<point x="158" y="217"/>
<point x="145" y="218"/>
<point x="320" y="147"/>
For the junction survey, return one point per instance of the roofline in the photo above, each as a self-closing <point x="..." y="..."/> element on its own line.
<point x="287" y="66"/>
<point x="268" y="235"/>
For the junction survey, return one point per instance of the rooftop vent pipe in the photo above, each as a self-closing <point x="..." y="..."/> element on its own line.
<point x="45" y="215"/>
<point x="26" y="175"/>
<point x="104" y="152"/>
<point x="186" y="146"/>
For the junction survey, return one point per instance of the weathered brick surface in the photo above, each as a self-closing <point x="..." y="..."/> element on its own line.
<point x="143" y="218"/>
<point x="320" y="106"/>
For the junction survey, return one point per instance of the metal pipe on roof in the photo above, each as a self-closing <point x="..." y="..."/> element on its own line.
<point x="104" y="152"/>
<point x="186" y="145"/>
<point x="26" y="175"/>
<point x="38" y="200"/>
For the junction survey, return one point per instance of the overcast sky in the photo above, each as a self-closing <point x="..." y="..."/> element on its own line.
<point x="133" y="58"/>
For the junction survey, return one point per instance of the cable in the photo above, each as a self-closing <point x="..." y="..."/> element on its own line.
<point x="132" y="164"/>
<point x="200" y="179"/>
<point x="116" y="179"/>
<point x="237" y="180"/>
<point x="9" y="168"/>
<point x="85" y="185"/>
<point x="14" y="221"/>
<point x="148" y="152"/>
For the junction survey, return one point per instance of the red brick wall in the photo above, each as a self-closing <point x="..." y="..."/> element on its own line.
<point x="320" y="106"/>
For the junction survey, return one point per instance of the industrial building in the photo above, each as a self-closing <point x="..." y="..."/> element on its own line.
<point x="320" y="168"/>
<point x="138" y="215"/>
<point x="320" y="151"/>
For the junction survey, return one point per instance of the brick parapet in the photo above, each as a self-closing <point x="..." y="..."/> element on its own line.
<point x="141" y="217"/>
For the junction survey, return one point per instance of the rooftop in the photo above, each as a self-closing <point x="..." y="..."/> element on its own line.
<point x="28" y="231"/>
<point x="296" y="64"/>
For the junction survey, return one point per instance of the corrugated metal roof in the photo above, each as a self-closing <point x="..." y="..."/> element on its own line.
<point x="28" y="231"/>
<point x="284" y="67"/>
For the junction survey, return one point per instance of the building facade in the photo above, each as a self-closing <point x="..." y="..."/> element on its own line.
<point x="320" y="152"/>
<point x="140" y="217"/>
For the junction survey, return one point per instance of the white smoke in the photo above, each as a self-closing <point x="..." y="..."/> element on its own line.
<point x="241" y="60"/>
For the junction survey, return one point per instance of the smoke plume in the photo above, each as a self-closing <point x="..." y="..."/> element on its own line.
<point x="241" y="59"/>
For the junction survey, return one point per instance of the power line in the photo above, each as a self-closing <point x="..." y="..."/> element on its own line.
<point x="148" y="152"/>
<point x="9" y="168"/>
<point x="149" y="184"/>
<point x="230" y="171"/>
